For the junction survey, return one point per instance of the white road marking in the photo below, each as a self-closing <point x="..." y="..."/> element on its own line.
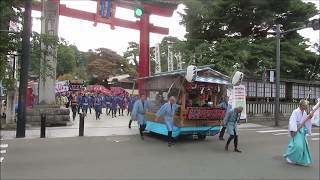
<point x="315" y="139"/>
<point x="277" y="134"/>
<point x="3" y="145"/>
<point x="3" y="151"/>
<point x="1" y="159"/>
<point x="315" y="134"/>
<point x="274" y="130"/>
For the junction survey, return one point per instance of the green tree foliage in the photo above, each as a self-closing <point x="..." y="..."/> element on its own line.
<point x="233" y="34"/>
<point x="9" y="42"/>
<point x="66" y="61"/>
<point x="103" y="63"/>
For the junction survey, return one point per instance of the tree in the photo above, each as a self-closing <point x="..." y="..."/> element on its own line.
<point x="10" y="43"/>
<point x="132" y="53"/>
<point x="233" y="34"/>
<point x="66" y="61"/>
<point x="103" y="63"/>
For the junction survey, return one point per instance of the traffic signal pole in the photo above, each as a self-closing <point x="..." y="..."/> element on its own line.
<point x="23" y="85"/>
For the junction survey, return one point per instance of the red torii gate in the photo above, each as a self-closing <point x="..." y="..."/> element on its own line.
<point x="143" y="25"/>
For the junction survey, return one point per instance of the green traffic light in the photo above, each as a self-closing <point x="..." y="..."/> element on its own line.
<point x="138" y="12"/>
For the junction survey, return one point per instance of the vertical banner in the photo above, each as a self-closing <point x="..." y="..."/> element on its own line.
<point x="157" y="58"/>
<point x="179" y="60"/>
<point x="237" y="96"/>
<point x="170" y="58"/>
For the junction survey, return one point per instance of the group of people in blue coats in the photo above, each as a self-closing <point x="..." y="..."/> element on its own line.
<point x="84" y="102"/>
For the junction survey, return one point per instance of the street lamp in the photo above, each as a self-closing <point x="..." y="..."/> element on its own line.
<point x="315" y="25"/>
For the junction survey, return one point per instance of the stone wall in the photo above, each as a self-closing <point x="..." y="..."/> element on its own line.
<point x="55" y="116"/>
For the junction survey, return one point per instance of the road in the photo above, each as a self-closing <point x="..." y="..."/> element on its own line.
<point x="128" y="157"/>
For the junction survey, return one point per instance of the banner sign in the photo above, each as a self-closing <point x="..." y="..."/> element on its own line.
<point x="75" y="85"/>
<point x="237" y="96"/>
<point x="200" y="113"/>
<point x="62" y="86"/>
<point x="157" y="58"/>
<point x="170" y="58"/>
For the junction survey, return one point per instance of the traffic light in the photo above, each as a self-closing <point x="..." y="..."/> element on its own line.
<point x="315" y="24"/>
<point x="138" y="11"/>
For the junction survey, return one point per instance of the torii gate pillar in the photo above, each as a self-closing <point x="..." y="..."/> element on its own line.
<point x="144" y="64"/>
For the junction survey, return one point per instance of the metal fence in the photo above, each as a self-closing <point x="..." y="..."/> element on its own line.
<point x="260" y="108"/>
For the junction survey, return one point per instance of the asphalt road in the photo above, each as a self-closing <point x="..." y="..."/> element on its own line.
<point x="128" y="157"/>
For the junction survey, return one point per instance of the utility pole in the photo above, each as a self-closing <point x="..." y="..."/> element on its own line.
<point x="315" y="25"/>
<point x="25" y="55"/>
<point x="277" y="105"/>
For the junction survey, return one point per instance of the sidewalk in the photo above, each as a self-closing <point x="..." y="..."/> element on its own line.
<point x="106" y="126"/>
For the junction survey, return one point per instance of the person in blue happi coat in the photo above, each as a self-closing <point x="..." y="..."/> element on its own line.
<point x="91" y="102"/>
<point x="85" y="104"/>
<point x="107" y="103"/>
<point x="131" y="101"/>
<point x="224" y="104"/>
<point x="98" y="101"/>
<point x="231" y="122"/>
<point x="139" y="110"/>
<point x="121" y="104"/>
<point x="113" y="106"/>
<point x="168" y="111"/>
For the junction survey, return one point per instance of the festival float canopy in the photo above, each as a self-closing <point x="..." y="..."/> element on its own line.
<point x="118" y="91"/>
<point x="99" y="89"/>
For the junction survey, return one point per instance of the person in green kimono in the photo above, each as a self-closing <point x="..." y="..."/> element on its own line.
<point x="231" y="123"/>
<point x="298" y="151"/>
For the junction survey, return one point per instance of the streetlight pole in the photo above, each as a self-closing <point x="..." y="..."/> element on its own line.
<point x="277" y="105"/>
<point x="25" y="55"/>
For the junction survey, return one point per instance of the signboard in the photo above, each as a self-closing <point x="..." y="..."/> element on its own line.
<point x="75" y="85"/>
<point x="237" y="97"/>
<point x="198" y="113"/>
<point x="62" y="86"/>
<point x="157" y="58"/>
<point x="170" y="58"/>
<point x="271" y="76"/>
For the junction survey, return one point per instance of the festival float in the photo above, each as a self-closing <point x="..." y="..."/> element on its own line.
<point x="198" y="92"/>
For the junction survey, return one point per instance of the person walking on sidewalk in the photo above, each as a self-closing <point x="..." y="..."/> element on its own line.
<point x="231" y="124"/>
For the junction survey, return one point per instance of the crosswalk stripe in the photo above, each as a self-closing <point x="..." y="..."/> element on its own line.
<point x="1" y="159"/>
<point x="3" y="151"/>
<point x="274" y="130"/>
<point x="315" y="139"/>
<point x="3" y="145"/>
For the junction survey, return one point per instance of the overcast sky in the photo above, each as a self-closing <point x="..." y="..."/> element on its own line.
<point x="85" y="36"/>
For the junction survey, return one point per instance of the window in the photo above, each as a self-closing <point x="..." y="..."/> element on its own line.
<point x="267" y="89"/>
<point x="274" y="90"/>
<point x="252" y="89"/>
<point x="260" y="89"/>
<point x="295" y="91"/>
<point x="301" y="92"/>
<point x="318" y="92"/>
<point x="282" y="90"/>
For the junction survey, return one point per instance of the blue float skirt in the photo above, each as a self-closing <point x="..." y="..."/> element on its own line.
<point x="160" y="128"/>
<point x="298" y="151"/>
